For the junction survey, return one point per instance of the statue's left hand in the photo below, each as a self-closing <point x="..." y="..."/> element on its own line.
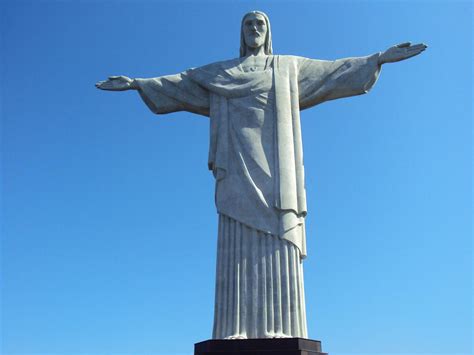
<point x="116" y="83"/>
<point x="401" y="51"/>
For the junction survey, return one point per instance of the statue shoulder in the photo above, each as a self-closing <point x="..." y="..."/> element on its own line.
<point x="291" y="59"/>
<point x="290" y="62"/>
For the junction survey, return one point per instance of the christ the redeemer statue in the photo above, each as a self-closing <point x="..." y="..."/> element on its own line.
<point x="256" y="156"/>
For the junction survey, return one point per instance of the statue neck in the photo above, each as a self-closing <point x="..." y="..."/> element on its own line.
<point x="255" y="51"/>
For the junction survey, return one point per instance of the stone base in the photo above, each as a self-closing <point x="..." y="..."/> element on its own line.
<point x="277" y="346"/>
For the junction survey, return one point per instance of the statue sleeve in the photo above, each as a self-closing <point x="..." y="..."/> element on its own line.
<point x="321" y="80"/>
<point x="174" y="93"/>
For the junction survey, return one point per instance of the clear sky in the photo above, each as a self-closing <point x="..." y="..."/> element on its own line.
<point x="108" y="218"/>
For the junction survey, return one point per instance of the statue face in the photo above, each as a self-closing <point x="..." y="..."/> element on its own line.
<point x="255" y="30"/>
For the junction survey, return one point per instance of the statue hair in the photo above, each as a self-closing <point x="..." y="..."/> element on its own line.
<point x="268" y="38"/>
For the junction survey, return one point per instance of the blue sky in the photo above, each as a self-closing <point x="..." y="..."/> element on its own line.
<point x="108" y="219"/>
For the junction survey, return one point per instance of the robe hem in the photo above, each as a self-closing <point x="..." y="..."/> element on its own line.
<point x="267" y="233"/>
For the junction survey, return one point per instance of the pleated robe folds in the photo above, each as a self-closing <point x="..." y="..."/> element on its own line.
<point x="256" y="157"/>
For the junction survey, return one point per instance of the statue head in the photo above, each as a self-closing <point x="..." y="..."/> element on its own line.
<point x="255" y="32"/>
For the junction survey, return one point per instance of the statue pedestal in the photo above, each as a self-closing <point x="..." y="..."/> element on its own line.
<point x="277" y="346"/>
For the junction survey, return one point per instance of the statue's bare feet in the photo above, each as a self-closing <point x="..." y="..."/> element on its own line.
<point x="278" y="336"/>
<point x="236" y="337"/>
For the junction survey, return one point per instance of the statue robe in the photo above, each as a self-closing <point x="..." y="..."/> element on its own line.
<point x="256" y="157"/>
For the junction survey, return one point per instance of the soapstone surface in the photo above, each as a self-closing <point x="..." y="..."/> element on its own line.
<point x="253" y="103"/>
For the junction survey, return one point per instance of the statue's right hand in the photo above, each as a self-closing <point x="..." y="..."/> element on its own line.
<point x="116" y="83"/>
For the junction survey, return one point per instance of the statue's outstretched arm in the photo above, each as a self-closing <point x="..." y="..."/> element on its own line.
<point x="117" y="83"/>
<point x="164" y="94"/>
<point x="400" y="52"/>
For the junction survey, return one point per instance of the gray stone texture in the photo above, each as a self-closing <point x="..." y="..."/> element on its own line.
<point x="253" y="104"/>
